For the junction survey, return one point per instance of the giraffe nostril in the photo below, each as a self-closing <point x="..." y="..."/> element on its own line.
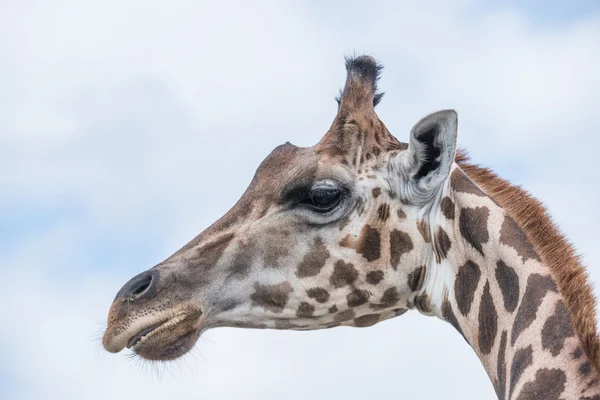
<point x="141" y="286"/>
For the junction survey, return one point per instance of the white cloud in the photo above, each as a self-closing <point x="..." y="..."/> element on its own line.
<point x="151" y="120"/>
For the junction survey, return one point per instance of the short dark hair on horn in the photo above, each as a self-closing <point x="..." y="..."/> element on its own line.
<point x="365" y="68"/>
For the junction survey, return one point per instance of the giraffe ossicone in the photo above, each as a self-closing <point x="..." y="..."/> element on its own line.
<point x="361" y="228"/>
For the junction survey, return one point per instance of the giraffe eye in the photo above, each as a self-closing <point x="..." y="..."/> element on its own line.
<point x="323" y="200"/>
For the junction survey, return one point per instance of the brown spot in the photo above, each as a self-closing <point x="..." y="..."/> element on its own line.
<point x="343" y="274"/>
<point x="585" y="368"/>
<point x="423" y="303"/>
<point x="488" y="321"/>
<point x="416" y="278"/>
<point x="240" y="267"/>
<point x="442" y="244"/>
<point x="319" y="294"/>
<point x="501" y="367"/>
<point x="305" y="310"/>
<point x="383" y="212"/>
<point x="332" y="309"/>
<point x="209" y="254"/>
<point x="521" y="360"/>
<point x="390" y="298"/>
<point x="357" y="297"/>
<point x="461" y="183"/>
<point x="448" y="207"/>
<point x="512" y="235"/>
<point x="449" y="316"/>
<point x="344" y="316"/>
<point x="369" y="244"/>
<point x="400" y="243"/>
<point x="374" y="277"/>
<point x="400" y="213"/>
<point x="366" y="320"/>
<point x="273" y="252"/>
<point x="556" y="329"/>
<point x="537" y="287"/>
<point x="465" y="286"/>
<point x="508" y="281"/>
<point x="423" y="228"/>
<point x="271" y="297"/>
<point x="314" y="260"/>
<point x="376" y="192"/>
<point x="473" y="226"/>
<point x="548" y="385"/>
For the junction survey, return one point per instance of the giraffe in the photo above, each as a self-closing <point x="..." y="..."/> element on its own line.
<point x="361" y="228"/>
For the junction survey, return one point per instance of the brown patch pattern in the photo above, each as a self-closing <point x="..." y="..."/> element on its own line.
<point x="357" y="297"/>
<point x="556" y="329"/>
<point x="473" y="226"/>
<point x="488" y="321"/>
<point x="376" y="192"/>
<point x="537" y="287"/>
<point x="344" y="316"/>
<point x="374" y="277"/>
<point x="400" y="243"/>
<point x="369" y="244"/>
<point x="416" y="278"/>
<point x="461" y="183"/>
<point x="442" y="244"/>
<point x="383" y="212"/>
<point x="401" y="214"/>
<point x="366" y="320"/>
<point x="465" y="286"/>
<point x="271" y="297"/>
<point x="508" y="280"/>
<point x="305" y="310"/>
<point x="449" y="316"/>
<point x="448" y="207"/>
<point x="521" y="360"/>
<point x="389" y="298"/>
<point x="501" y="367"/>
<point x="314" y="260"/>
<point x="319" y="294"/>
<point x="512" y="235"/>
<point x="548" y="385"/>
<point x="343" y="274"/>
<point x="423" y="228"/>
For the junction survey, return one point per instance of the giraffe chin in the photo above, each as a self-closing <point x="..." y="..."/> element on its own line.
<point x="167" y="341"/>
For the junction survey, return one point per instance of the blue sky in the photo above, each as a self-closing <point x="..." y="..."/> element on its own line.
<point x="128" y="127"/>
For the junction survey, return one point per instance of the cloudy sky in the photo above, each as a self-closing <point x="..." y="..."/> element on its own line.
<point x="127" y="127"/>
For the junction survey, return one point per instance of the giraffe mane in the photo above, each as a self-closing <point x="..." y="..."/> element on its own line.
<point x="556" y="251"/>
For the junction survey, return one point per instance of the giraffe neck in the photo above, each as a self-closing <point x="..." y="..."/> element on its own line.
<point x="492" y="286"/>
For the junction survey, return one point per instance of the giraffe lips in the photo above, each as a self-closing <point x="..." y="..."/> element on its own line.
<point x="136" y="339"/>
<point x="167" y="340"/>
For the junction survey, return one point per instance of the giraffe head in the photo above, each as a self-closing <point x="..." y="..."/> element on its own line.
<point x="329" y="235"/>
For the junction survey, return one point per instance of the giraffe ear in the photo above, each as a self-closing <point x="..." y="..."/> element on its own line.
<point x="431" y="150"/>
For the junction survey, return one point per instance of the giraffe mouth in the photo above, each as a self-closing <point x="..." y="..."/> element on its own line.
<point x="167" y="340"/>
<point x="164" y="336"/>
